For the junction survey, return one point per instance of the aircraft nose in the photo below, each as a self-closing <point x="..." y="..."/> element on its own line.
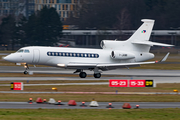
<point x="7" y="58"/>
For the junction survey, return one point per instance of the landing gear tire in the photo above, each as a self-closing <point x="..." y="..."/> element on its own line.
<point x="25" y="72"/>
<point x="82" y="75"/>
<point x="26" y="66"/>
<point x="97" y="75"/>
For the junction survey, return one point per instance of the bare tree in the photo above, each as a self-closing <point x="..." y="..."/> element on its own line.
<point x="123" y="20"/>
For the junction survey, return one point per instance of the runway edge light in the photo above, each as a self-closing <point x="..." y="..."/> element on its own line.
<point x="59" y="103"/>
<point x="83" y="104"/>
<point x="110" y="105"/>
<point x="54" y="89"/>
<point x="44" y="101"/>
<point x="175" y="90"/>
<point x="30" y="100"/>
<point x="137" y="106"/>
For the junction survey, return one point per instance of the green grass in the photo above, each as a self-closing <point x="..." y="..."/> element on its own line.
<point x="84" y="114"/>
<point x="160" y="87"/>
<point x="166" y="87"/>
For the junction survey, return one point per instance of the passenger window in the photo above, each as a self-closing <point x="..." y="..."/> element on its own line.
<point x="26" y="51"/>
<point x="20" y="51"/>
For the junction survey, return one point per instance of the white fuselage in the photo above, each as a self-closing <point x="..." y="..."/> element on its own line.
<point x="61" y="56"/>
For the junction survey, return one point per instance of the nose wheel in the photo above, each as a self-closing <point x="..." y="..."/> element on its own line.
<point x="26" y="67"/>
<point x="25" y="72"/>
<point x="82" y="75"/>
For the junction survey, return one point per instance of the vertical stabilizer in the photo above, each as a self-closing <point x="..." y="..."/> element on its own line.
<point x="144" y="31"/>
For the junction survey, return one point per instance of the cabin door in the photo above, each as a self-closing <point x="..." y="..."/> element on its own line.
<point x="36" y="56"/>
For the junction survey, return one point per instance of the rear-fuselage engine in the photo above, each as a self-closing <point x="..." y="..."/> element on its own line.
<point x="120" y="55"/>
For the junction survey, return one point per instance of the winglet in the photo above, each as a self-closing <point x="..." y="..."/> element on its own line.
<point x="165" y="57"/>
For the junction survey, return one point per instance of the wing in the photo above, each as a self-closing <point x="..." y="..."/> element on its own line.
<point x="108" y="66"/>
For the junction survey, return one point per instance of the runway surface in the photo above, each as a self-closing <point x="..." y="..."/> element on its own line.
<point x="102" y="105"/>
<point x="160" y="76"/>
<point x="156" y="79"/>
<point x="128" y="72"/>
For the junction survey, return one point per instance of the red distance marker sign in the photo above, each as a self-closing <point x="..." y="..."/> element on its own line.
<point x="137" y="83"/>
<point x="118" y="83"/>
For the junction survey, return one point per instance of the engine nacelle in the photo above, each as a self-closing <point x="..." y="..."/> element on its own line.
<point x="121" y="55"/>
<point x="111" y="44"/>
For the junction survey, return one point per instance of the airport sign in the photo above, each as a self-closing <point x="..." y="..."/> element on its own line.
<point x="131" y="83"/>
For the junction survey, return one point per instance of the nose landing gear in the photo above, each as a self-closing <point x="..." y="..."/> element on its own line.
<point x="26" y="67"/>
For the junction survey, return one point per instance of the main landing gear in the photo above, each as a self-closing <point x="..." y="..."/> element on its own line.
<point x="97" y="75"/>
<point x="26" y="67"/>
<point x="83" y="74"/>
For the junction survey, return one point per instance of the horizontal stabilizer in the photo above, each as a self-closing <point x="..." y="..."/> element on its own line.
<point x="150" y="43"/>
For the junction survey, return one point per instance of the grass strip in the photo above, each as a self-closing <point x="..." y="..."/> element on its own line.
<point x="161" y="87"/>
<point x="100" y="114"/>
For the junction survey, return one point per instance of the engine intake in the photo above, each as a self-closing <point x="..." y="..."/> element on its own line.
<point x="120" y="55"/>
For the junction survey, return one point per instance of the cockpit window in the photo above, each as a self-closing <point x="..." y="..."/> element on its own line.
<point x="23" y="51"/>
<point x="26" y="51"/>
<point x="20" y="51"/>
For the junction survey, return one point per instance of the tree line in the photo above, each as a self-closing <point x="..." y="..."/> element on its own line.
<point x="43" y="28"/>
<point x="126" y="14"/>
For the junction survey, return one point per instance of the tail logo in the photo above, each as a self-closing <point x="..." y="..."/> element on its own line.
<point x="144" y="31"/>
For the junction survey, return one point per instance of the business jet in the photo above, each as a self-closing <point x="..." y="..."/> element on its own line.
<point x="114" y="54"/>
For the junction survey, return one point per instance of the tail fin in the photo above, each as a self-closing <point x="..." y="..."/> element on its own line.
<point x="144" y="31"/>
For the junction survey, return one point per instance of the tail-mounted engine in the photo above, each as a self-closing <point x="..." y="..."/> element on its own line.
<point x="120" y="55"/>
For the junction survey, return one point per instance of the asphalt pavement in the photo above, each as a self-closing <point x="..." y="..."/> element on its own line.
<point x="102" y="105"/>
<point x="160" y="76"/>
